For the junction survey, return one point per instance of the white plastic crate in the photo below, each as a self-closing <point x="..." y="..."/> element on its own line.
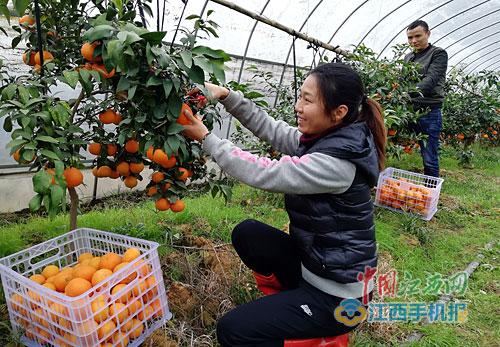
<point x="406" y="191"/>
<point x="46" y="317"/>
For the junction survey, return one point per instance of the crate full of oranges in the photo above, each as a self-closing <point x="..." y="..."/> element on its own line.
<point x="406" y="191"/>
<point x="85" y="288"/>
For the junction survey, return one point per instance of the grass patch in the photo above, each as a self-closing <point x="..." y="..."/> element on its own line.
<point x="467" y="219"/>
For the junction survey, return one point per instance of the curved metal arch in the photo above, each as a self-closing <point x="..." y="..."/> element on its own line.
<point x="381" y="19"/>
<point x="480" y="57"/>
<point x="243" y="59"/>
<point x="343" y="22"/>
<point x="290" y="49"/>
<point x="471" y="44"/>
<point x="475" y="32"/>
<point x="477" y="50"/>
<point x="464" y="25"/>
<point x="484" y="62"/>
<point x="425" y="14"/>
<point x="456" y="15"/>
<point x="492" y="64"/>
<point x="248" y="41"/>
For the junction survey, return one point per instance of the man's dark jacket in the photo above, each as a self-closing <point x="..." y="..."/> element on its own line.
<point x="432" y="62"/>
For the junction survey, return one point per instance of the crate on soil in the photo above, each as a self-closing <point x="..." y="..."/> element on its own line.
<point x="406" y="191"/>
<point x="85" y="288"/>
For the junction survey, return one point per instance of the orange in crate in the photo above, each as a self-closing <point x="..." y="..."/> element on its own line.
<point x="85" y="303"/>
<point x="405" y="191"/>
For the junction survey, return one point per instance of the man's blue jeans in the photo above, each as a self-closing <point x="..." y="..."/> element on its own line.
<point x="430" y="125"/>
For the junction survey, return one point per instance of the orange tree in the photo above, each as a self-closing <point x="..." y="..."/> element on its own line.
<point x="129" y="90"/>
<point x="471" y="111"/>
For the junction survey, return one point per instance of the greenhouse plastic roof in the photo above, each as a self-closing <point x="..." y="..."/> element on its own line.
<point x="468" y="30"/>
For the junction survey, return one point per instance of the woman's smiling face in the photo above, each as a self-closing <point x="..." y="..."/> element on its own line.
<point x="312" y="118"/>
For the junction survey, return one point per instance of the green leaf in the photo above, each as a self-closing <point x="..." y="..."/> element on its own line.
<point x="131" y="92"/>
<point x="9" y="91"/>
<point x="15" y="41"/>
<point x="41" y="182"/>
<point x="204" y="63"/>
<point x="35" y="202"/>
<point x="174" y="105"/>
<point x="171" y="145"/>
<point x="219" y="73"/>
<point x="115" y="52"/>
<point x="16" y="143"/>
<point x="174" y="128"/>
<point x="220" y="54"/>
<point x="56" y="194"/>
<point x="24" y="95"/>
<point x="196" y="74"/>
<point x="187" y="58"/>
<point x="20" y="6"/>
<point x="123" y="84"/>
<point x="45" y="138"/>
<point x="99" y="32"/>
<point x="128" y="37"/>
<point x="149" y="54"/>
<point x="50" y="154"/>
<point x="7" y="124"/>
<point x="71" y="78"/>
<point x="5" y="11"/>
<point x="167" y="87"/>
<point x="155" y="37"/>
<point x="154" y="81"/>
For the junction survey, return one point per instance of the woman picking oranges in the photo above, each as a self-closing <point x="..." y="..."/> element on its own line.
<point x="330" y="163"/>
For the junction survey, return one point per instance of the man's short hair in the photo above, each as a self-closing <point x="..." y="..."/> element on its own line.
<point x="418" y="23"/>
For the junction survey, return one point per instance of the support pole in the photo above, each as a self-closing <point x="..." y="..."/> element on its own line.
<point x="281" y="27"/>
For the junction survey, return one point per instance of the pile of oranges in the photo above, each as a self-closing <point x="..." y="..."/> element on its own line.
<point x="117" y="313"/>
<point x="414" y="198"/>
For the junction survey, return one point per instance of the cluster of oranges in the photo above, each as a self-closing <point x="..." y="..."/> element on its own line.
<point x="117" y="314"/>
<point x="129" y="171"/>
<point x="94" y="62"/>
<point x="31" y="57"/>
<point x="405" y="196"/>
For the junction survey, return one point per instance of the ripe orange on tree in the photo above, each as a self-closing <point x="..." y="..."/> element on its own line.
<point x="460" y="136"/>
<point x="392" y="132"/>
<point x="132" y="146"/>
<point x="183" y="174"/>
<point x="87" y="51"/>
<point x="47" y="56"/>
<point x="94" y="148"/>
<point x="123" y="168"/>
<point x="183" y="119"/>
<point x="118" y="118"/>
<point x="111" y="149"/>
<point x="114" y="174"/>
<point x="26" y="21"/>
<point x="108" y="116"/>
<point x="162" y="204"/>
<point x="152" y="191"/>
<point x="136" y="167"/>
<point x="102" y="70"/>
<point x="130" y="182"/>
<point x="73" y="176"/>
<point x="150" y="152"/>
<point x="157" y="177"/>
<point x="177" y="206"/>
<point x="31" y="60"/>
<point x="104" y="171"/>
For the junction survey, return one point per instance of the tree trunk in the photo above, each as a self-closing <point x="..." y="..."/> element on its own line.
<point x="73" y="210"/>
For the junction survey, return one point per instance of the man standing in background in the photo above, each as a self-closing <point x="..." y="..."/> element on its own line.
<point x="432" y="62"/>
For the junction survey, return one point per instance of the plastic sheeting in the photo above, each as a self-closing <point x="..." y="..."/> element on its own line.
<point x="468" y="30"/>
